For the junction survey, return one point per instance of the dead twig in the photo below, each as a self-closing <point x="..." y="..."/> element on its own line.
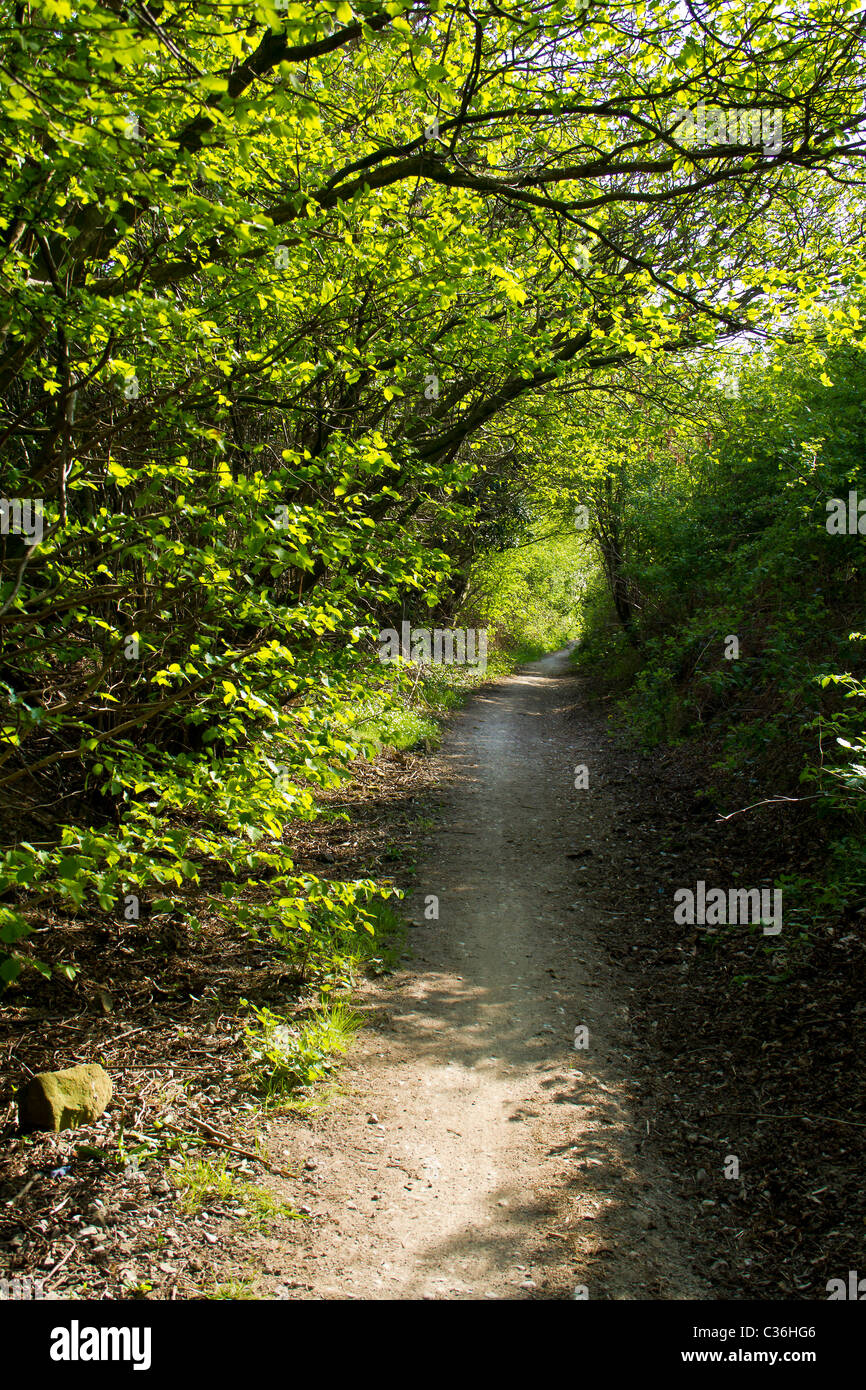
<point x="222" y="1141"/>
<point x="764" y="1115"/>
<point x="770" y="801"/>
<point x="60" y="1263"/>
<point x="26" y="1188"/>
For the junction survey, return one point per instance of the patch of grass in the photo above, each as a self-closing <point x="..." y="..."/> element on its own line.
<point x="290" y="1055"/>
<point x="205" y="1181"/>
<point x="406" y="711"/>
<point x="399" y="728"/>
<point x="233" y="1290"/>
<point x="312" y="1104"/>
<point x="444" y="688"/>
<point x="520" y="654"/>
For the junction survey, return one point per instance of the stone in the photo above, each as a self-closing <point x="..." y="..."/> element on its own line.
<point x="56" y="1100"/>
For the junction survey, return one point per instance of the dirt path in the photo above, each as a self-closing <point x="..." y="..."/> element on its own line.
<point x="474" y="1153"/>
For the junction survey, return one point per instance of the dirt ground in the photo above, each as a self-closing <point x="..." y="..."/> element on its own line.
<point x="476" y="1151"/>
<point x="549" y="1089"/>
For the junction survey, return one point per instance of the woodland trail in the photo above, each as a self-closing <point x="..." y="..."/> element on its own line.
<point x="473" y="1152"/>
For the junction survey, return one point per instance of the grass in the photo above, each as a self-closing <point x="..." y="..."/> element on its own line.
<point x="399" y="728"/>
<point x="519" y="654"/>
<point x="289" y="1056"/>
<point x="204" y="1181"/>
<point x="233" y="1290"/>
<point x="407" y="711"/>
<point x="310" y="1104"/>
